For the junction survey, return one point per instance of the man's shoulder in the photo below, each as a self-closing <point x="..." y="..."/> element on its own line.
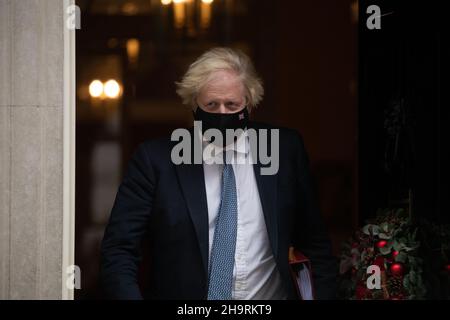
<point x="160" y="148"/>
<point x="285" y="132"/>
<point x="159" y="143"/>
<point x="155" y="149"/>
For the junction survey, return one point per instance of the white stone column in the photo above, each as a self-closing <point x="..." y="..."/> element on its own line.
<point x="33" y="175"/>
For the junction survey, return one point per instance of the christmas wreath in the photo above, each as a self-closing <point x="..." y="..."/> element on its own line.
<point x="392" y="242"/>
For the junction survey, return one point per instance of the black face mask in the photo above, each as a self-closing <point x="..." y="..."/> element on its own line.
<point x="222" y="121"/>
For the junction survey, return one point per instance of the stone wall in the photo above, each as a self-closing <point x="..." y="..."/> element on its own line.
<point x="31" y="148"/>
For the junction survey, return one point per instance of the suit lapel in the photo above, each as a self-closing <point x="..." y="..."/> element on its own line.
<point x="191" y="179"/>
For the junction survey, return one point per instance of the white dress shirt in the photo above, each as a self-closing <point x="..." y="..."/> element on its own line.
<point x="255" y="275"/>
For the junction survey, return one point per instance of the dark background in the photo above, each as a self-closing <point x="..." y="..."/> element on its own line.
<point x="367" y="102"/>
<point x="401" y="65"/>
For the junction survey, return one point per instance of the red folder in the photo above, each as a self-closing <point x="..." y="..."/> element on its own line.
<point x="301" y="272"/>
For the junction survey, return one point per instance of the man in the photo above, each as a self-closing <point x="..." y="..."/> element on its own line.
<point x="217" y="230"/>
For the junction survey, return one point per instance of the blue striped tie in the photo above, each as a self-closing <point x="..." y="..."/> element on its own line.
<point x="224" y="244"/>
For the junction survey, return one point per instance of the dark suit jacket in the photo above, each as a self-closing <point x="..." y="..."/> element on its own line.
<point x="167" y="203"/>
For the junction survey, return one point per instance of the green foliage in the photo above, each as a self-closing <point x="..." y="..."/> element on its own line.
<point x="390" y="238"/>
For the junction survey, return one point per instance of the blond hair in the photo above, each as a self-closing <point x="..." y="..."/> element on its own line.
<point x="216" y="59"/>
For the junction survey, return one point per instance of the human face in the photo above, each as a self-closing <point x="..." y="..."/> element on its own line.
<point x="224" y="93"/>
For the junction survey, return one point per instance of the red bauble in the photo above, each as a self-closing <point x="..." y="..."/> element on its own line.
<point x="447" y="267"/>
<point x="394" y="254"/>
<point x="397" y="269"/>
<point x="381" y="243"/>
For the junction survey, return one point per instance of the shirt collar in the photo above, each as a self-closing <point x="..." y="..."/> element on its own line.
<point x="240" y="146"/>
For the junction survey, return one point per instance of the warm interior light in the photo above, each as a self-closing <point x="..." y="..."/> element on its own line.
<point x="179" y="13"/>
<point x="133" y="48"/>
<point x="112" y="89"/>
<point x="166" y="2"/>
<point x="205" y="14"/>
<point x="96" y="88"/>
<point x="130" y="9"/>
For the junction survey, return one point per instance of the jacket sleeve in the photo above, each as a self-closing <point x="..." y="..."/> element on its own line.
<point x="128" y="223"/>
<point x="310" y="234"/>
